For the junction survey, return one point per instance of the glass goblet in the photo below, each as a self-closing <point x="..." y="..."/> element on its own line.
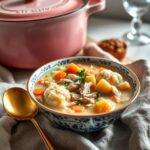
<point x="136" y="9"/>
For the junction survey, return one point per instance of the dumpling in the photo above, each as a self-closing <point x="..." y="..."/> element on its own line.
<point x="56" y="95"/>
<point x="112" y="77"/>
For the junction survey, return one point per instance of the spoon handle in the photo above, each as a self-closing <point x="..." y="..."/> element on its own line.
<point x="44" y="138"/>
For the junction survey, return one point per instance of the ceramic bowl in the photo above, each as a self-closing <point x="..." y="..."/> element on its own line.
<point x="88" y="123"/>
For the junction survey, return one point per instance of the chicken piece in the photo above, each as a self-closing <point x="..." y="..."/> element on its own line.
<point x="62" y="81"/>
<point x="115" y="91"/>
<point x="86" y="88"/>
<point x="74" y="96"/>
<point x="91" y="95"/>
<point x="87" y="100"/>
<point x="56" y="95"/>
<point x="73" y="87"/>
<point x="73" y="77"/>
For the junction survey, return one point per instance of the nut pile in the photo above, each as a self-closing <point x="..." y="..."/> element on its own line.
<point x="115" y="47"/>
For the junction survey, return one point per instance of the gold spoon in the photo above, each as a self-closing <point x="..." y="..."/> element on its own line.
<point x="18" y="104"/>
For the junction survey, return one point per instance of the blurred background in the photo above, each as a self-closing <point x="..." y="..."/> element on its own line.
<point x="114" y="9"/>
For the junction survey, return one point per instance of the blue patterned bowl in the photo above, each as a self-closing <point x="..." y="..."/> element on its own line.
<point x="87" y="123"/>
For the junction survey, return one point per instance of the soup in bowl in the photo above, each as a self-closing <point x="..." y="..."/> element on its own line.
<point x="83" y="94"/>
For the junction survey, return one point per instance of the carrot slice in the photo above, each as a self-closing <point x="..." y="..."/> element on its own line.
<point x="40" y="81"/>
<point x="44" y="82"/>
<point x="38" y="92"/>
<point x="73" y="68"/>
<point x="77" y="108"/>
<point x="60" y="75"/>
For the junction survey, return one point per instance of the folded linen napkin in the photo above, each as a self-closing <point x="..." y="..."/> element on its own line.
<point x="131" y="132"/>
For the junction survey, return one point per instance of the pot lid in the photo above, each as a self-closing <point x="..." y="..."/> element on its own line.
<point x="23" y="10"/>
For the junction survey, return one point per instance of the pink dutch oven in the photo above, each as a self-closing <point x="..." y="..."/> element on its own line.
<point x="34" y="32"/>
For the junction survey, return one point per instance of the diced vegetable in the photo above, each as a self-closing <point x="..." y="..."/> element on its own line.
<point x="91" y="78"/>
<point x="124" y="86"/>
<point x="40" y="81"/>
<point x="102" y="106"/>
<point x="60" y="75"/>
<point x="77" y="108"/>
<point x="104" y="86"/>
<point x="44" y="81"/>
<point x="38" y="91"/>
<point x="73" y="68"/>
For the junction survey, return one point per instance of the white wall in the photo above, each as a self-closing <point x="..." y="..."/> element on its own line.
<point x="115" y="9"/>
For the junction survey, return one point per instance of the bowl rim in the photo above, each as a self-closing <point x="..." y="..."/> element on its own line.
<point x="131" y="100"/>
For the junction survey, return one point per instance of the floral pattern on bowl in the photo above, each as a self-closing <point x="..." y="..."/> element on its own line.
<point x="91" y="124"/>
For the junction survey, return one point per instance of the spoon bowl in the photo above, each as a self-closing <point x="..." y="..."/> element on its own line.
<point x="19" y="105"/>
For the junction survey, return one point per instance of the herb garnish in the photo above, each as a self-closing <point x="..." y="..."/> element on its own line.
<point x="81" y="73"/>
<point x="82" y="76"/>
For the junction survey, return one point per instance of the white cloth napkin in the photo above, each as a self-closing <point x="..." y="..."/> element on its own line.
<point x="131" y="132"/>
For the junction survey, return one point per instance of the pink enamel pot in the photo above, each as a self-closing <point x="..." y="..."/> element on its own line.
<point x="35" y="32"/>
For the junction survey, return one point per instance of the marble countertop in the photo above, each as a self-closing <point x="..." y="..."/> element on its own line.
<point x="98" y="29"/>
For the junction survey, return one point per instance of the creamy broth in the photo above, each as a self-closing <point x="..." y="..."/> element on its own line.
<point x="83" y="89"/>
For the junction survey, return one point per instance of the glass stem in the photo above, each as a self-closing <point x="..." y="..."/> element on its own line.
<point x="136" y="24"/>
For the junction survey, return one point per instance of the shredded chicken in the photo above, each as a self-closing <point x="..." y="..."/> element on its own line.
<point x="75" y="96"/>
<point x="91" y="95"/>
<point x="116" y="91"/>
<point x="87" y="100"/>
<point x="65" y="80"/>
<point x="89" y="105"/>
<point x="86" y="88"/>
<point x="73" y="87"/>
<point x="73" y="77"/>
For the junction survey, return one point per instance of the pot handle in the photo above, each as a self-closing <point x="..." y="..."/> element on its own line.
<point x="95" y="6"/>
